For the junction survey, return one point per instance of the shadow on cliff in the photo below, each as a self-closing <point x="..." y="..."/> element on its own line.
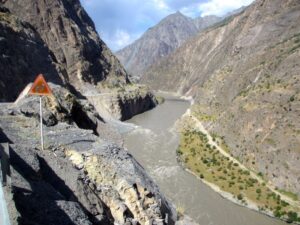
<point x="4" y="138"/>
<point x="42" y="197"/>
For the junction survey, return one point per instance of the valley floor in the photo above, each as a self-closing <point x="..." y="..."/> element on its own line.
<point x="208" y="158"/>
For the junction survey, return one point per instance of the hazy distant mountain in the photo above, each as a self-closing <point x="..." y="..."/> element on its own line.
<point x="206" y="21"/>
<point x="235" y="12"/>
<point x="160" y="40"/>
<point x="244" y="75"/>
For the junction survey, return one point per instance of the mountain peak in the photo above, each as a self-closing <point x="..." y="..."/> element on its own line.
<point x="162" y="39"/>
<point x="175" y="16"/>
<point x="178" y="13"/>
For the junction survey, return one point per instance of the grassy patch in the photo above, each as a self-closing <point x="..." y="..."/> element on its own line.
<point x="199" y="114"/>
<point x="289" y="194"/>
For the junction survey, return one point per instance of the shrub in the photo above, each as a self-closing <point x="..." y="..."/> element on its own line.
<point x="284" y="203"/>
<point x="201" y="176"/>
<point x="240" y="197"/>
<point x="186" y="159"/>
<point x="277" y="214"/>
<point x="179" y="152"/>
<point x="258" y="191"/>
<point x="292" y="217"/>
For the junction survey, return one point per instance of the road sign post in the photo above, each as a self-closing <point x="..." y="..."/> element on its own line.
<point x="41" y="124"/>
<point x="40" y="88"/>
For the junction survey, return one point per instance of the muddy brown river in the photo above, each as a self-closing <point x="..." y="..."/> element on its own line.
<point x="153" y="142"/>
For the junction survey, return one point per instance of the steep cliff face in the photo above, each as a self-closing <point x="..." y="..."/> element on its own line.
<point x="123" y="104"/>
<point x="244" y="75"/>
<point x="80" y="178"/>
<point x="22" y="62"/>
<point x="71" y="37"/>
<point x="58" y="39"/>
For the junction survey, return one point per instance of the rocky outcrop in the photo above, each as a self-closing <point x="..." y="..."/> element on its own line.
<point x="160" y="40"/>
<point x="243" y="74"/>
<point x="71" y="37"/>
<point x="80" y="178"/>
<point x="123" y="104"/>
<point x="59" y="40"/>
<point x="23" y="56"/>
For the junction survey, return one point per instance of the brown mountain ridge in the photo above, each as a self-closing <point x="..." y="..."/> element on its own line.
<point x="244" y="76"/>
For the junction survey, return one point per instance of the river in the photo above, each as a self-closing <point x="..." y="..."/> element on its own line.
<point x="153" y="143"/>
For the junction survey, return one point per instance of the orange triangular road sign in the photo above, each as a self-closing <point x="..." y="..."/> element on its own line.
<point x="40" y="87"/>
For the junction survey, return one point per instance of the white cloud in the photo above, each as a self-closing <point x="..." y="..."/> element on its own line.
<point x="120" y="22"/>
<point x="121" y="39"/>
<point x="161" y="4"/>
<point x="118" y="39"/>
<point x="221" y="7"/>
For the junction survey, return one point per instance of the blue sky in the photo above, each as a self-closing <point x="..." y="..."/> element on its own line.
<point x="120" y="22"/>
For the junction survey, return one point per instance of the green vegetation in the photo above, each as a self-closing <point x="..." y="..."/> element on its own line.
<point x="198" y="113"/>
<point x="292" y="98"/>
<point x="221" y="142"/>
<point x="206" y="117"/>
<point x="244" y="92"/>
<point x="289" y="194"/>
<point x="209" y="164"/>
<point x="295" y="37"/>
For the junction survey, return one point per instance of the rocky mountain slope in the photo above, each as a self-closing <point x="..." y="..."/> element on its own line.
<point x="84" y="176"/>
<point x="20" y="64"/>
<point x="160" y="40"/>
<point x="58" y="39"/>
<point x="81" y="177"/>
<point x="244" y="76"/>
<point x="69" y="33"/>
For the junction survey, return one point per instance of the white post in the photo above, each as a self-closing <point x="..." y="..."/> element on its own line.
<point x="41" y="122"/>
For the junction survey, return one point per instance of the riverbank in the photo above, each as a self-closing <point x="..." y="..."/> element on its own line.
<point x="200" y="154"/>
<point x="153" y="142"/>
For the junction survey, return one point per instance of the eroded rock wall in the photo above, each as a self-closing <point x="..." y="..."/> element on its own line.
<point x="80" y="178"/>
<point x="72" y="39"/>
<point x="23" y="56"/>
<point x="122" y="105"/>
